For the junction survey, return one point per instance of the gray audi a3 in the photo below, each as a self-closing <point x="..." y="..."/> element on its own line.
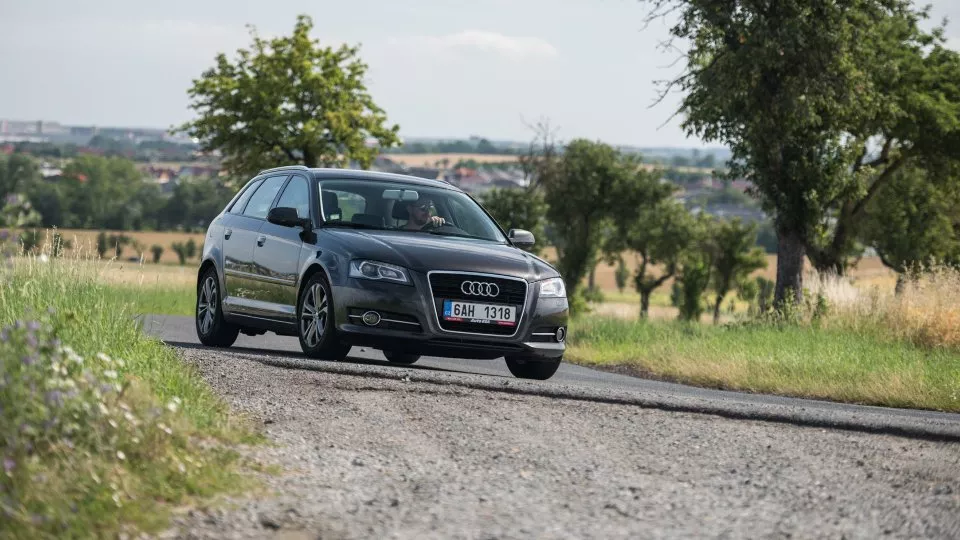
<point x="409" y="266"/>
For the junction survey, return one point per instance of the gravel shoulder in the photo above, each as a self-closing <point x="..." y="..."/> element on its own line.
<point x="378" y="451"/>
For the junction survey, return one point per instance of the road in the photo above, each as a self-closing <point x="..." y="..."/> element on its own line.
<point x="454" y="449"/>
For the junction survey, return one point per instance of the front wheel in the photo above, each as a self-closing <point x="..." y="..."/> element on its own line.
<point x="401" y="358"/>
<point x="529" y="368"/>
<point x="212" y="329"/>
<point x="316" y="328"/>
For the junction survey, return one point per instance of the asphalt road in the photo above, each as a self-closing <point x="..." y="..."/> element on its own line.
<point x="590" y="384"/>
<point x="365" y="449"/>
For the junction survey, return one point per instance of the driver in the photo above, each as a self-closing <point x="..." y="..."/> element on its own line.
<point x="420" y="217"/>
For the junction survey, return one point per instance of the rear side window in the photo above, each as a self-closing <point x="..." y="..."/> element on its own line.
<point x="238" y="206"/>
<point x="259" y="203"/>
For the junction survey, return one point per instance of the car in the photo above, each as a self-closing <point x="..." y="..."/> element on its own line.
<point x="409" y="266"/>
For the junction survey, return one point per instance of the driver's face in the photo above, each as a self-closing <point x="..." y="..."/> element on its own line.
<point x="420" y="211"/>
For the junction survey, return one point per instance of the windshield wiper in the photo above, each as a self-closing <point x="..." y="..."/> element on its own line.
<point x="459" y="235"/>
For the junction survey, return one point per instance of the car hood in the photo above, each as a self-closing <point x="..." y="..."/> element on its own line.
<point x="422" y="252"/>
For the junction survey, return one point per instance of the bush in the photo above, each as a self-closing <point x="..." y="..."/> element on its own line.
<point x="622" y="274"/>
<point x="157" y="251"/>
<point x="191" y="248"/>
<point x="181" y="250"/>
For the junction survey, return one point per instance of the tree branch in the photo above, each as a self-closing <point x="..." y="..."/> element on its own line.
<point x="877" y="184"/>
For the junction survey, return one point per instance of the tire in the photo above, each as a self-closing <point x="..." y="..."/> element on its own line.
<point x="316" y="328"/>
<point x="529" y="368"/>
<point x="212" y="329"/>
<point x="401" y="358"/>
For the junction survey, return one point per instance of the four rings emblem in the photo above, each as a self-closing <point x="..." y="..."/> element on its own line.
<point x="480" y="288"/>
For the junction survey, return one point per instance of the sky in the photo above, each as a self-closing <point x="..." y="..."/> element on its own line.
<point x="440" y="68"/>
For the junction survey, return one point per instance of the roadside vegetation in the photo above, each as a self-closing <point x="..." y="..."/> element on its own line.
<point x="104" y="430"/>
<point x="846" y="344"/>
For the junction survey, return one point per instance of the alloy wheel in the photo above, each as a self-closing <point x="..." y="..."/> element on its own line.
<point x="207" y="305"/>
<point x="313" y="316"/>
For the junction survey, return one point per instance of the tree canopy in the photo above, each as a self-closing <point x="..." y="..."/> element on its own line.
<point x="289" y="100"/>
<point x="803" y="91"/>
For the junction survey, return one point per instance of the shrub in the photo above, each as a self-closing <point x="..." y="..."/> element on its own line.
<point x="181" y="250"/>
<point x="191" y="248"/>
<point x="157" y="251"/>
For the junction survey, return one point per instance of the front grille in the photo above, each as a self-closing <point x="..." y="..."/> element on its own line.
<point x="448" y="287"/>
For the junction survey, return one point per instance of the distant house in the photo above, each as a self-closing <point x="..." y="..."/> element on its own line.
<point x="431" y="173"/>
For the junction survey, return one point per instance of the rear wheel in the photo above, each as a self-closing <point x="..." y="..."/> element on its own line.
<point x="401" y="358"/>
<point x="212" y="329"/>
<point x="524" y="367"/>
<point x="316" y="328"/>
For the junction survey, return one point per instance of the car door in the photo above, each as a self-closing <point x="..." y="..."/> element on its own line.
<point x="240" y="229"/>
<point x="278" y="252"/>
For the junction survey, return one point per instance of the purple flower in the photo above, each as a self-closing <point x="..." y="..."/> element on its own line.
<point x="32" y="341"/>
<point x="4" y="235"/>
<point x="33" y="326"/>
<point x="4" y="335"/>
<point x="54" y="398"/>
<point x="8" y="464"/>
<point x="29" y="360"/>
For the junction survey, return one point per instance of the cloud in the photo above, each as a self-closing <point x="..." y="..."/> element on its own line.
<point x="515" y="48"/>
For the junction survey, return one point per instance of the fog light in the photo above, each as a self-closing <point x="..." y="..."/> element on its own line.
<point x="561" y="334"/>
<point x="371" y="318"/>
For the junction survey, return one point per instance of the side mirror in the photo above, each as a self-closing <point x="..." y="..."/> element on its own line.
<point x="521" y="238"/>
<point x="286" y="217"/>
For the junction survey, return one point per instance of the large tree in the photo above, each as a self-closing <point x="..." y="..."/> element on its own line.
<point x="518" y="208"/>
<point x="655" y="228"/>
<point x="915" y="220"/>
<point x="798" y="89"/>
<point x="580" y="186"/>
<point x="289" y="100"/>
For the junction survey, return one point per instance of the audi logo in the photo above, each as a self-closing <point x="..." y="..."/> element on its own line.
<point x="479" y="288"/>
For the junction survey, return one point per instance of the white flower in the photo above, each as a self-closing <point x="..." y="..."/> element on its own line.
<point x="110" y="374"/>
<point x="103" y="408"/>
<point x="113" y="423"/>
<point x="164" y="428"/>
<point x="104" y="358"/>
<point x="121" y="455"/>
<point x="174" y="404"/>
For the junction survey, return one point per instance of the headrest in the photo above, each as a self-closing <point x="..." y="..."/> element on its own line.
<point x="372" y="220"/>
<point x="400" y="210"/>
<point x="331" y="205"/>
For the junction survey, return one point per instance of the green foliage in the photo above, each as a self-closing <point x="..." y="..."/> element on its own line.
<point x="915" y="220"/>
<point x="734" y="258"/>
<point x="98" y="424"/>
<point x="800" y="90"/>
<point x="692" y="282"/>
<point x="288" y="100"/>
<point x="17" y="212"/>
<point x="157" y="251"/>
<point x="190" y="248"/>
<point x="579" y="188"/>
<point x="180" y="248"/>
<point x="518" y="209"/>
<point x="17" y="171"/>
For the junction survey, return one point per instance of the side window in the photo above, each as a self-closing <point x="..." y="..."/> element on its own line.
<point x="260" y="202"/>
<point x="241" y="202"/>
<point x="297" y="195"/>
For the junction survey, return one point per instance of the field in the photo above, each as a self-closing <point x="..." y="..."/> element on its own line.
<point x="84" y="242"/>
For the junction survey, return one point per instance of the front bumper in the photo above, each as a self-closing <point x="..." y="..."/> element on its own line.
<point x="409" y="322"/>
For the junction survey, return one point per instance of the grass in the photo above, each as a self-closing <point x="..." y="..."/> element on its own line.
<point x="838" y="364"/>
<point x="103" y="429"/>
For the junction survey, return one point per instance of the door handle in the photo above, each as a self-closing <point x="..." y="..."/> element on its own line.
<point x="260" y="240"/>
<point x="227" y="233"/>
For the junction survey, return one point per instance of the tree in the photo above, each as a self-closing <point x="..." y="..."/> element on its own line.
<point x="181" y="250"/>
<point x="288" y="100"/>
<point x="518" y="208"/>
<point x="17" y="173"/>
<point x="798" y="89"/>
<point x="914" y="220"/>
<point x="157" y="251"/>
<point x="621" y="274"/>
<point x="734" y="258"/>
<point x="579" y="187"/>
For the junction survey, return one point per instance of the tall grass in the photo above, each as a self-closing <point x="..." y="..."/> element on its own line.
<point x="846" y="344"/>
<point x="103" y="429"/>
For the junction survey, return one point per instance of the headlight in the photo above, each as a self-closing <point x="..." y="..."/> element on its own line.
<point x="553" y="287"/>
<point x="378" y="271"/>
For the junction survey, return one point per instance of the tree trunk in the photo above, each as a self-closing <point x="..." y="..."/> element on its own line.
<point x="790" y="254"/>
<point x="716" y="308"/>
<point x="645" y="304"/>
<point x="592" y="277"/>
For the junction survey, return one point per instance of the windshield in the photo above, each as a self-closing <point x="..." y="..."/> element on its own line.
<point x="381" y="205"/>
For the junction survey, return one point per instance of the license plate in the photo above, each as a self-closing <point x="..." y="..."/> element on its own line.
<point x="456" y="311"/>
